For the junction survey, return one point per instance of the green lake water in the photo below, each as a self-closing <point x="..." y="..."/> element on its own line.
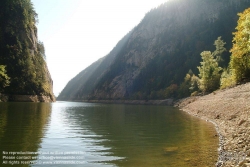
<point x="106" y="135"/>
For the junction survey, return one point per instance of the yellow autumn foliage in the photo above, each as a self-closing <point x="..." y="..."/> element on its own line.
<point x="240" y="58"/>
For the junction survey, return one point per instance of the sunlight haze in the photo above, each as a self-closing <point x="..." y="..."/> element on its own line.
<point x="76" y="33"/>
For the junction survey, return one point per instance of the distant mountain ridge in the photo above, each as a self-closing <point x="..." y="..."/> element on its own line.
<point x="159" y="51"/>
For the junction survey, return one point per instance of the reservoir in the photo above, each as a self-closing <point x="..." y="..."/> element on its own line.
<point x="103" y="135"/>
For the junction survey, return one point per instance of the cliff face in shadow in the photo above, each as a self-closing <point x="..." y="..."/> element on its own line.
<point x="21" y="53"/>
<point x="159" y="51"/>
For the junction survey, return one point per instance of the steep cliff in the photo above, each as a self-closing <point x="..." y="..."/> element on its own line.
<point x="22" y="54"/>
<point x="160" y="50"/>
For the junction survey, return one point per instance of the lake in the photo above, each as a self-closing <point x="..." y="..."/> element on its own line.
<point x="103" y="135"/>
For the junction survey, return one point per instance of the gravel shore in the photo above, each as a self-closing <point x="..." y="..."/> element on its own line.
<point x="229" y="110"/>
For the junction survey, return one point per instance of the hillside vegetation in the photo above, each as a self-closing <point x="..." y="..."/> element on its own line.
<point x="152" y="61"/>
<point x="23" y="68"/>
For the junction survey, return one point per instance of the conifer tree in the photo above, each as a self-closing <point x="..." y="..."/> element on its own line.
<point x="220" y="49"/>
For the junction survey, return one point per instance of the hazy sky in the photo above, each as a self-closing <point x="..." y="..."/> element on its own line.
<point x="76" y="33"/>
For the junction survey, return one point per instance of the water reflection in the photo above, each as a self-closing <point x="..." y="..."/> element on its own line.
<point x="109" y="135"/>
<point x="146" y="135"/>
<point x="69" y="130"/>
<point x="22" y="126"/>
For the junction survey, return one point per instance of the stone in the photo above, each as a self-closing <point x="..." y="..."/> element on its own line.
<point x="246" y="165"/>
<point x="242" y="162"/>
<point x="170" y="149"/>
<point x="241" y="122"/>
<point x="240" y="142"/>
<point x="232" y="117"/>
<point x="217" y="116"/>
<point x="234" y="135"/>
<point x="187" y="159"/>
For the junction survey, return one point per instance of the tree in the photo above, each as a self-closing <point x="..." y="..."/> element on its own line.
<point x="194" y="83"/>
<point x="227" y="79"/>
<point x="171" y="91"/>
<point x="220" y="49"/>
<point x="189" y="85"/>
<point x="4" y="79"/>
<point x="41" y="49"/>
<point x="209" y="73"/>
<point x="22" y="54"/>
<point x="240" y="58"/>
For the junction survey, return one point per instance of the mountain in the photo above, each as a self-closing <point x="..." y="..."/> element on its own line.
<point x="22" y="55"/>
<point x="151" y="61"/>
<point x="82" y="85"/>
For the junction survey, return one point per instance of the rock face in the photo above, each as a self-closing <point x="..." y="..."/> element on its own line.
<point x="159" y="51"/>
<point x="22" y="54"/>
<point x="48" y="95"/>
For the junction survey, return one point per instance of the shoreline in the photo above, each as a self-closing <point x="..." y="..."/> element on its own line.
<point x="221" y="156"/>
<point x="229" y="111"/>
<point x="26" y="98"/>
<point x="168" y="102"/>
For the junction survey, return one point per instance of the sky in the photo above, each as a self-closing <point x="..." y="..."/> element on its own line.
<point x="77" y="33"/>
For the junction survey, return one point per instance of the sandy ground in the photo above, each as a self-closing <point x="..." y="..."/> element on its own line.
<point x="229" y="110"/>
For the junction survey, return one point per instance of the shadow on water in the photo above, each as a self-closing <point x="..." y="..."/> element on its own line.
<point x="22" y="127"/>
<point x="146" y="135"/>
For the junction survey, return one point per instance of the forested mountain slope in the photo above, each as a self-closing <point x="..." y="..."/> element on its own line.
<point x="22" y="56"/>
<point x="81" y="86"/>
<point x="156" y="55"/>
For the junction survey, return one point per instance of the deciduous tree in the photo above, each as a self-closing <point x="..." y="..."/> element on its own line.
<point x="240" y="58"/>
<point x="209" y="73"/>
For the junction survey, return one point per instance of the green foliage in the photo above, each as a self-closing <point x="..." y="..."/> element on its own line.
<point x="171" y="91"/>
<point x="4" y="79"/>
<point x="195" y="93"/>
<point x="41" y="49"/>
<point x="240" y="61"/>
<point x="189" y="85"/>
<point x="194" y="83"/>
<point x="227" y="79"/>
<point x="209" y="73"/>
<point x="24" y="57"/>
<point x="220" y="49"/>
<point x="240" y="68"/>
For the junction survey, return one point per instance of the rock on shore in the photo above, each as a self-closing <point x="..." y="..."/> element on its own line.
<point x="229" y="110"/>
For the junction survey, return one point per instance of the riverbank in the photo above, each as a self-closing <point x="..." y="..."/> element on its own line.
<point x="26" y="98"/>
<point x="168" y="102"/>
<point x="229" y="110"/>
